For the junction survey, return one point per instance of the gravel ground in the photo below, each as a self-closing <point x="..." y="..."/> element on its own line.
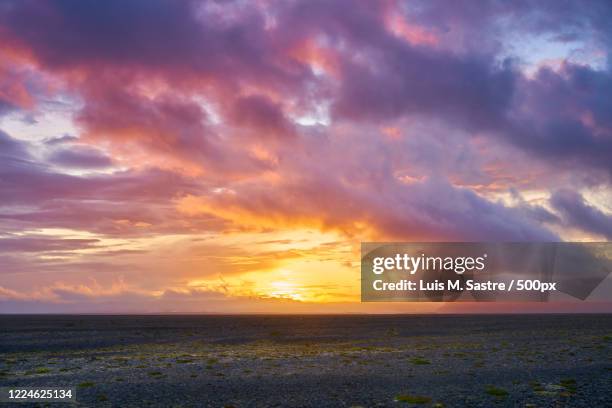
<point x="313" y="361"/>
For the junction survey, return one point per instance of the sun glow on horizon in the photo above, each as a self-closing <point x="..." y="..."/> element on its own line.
<point x="239" y="162"/>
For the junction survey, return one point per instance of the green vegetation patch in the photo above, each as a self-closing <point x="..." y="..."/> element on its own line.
<point x="536" y="386"/>
<point x="86" y="384"/>
<point x="413" y="399"/>
<point x="419" y="361"/>
<point x="569" y="384"/>
<point x="496" y="391"/>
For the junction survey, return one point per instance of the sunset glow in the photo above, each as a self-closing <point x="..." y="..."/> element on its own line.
<point x="229" y="157"/>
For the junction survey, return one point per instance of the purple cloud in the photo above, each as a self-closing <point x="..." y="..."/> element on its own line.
<point x="388" y="120"/>
<point x="82" y="157"/>
<point x="43" y="244"/>
<point x="580" y="214"/>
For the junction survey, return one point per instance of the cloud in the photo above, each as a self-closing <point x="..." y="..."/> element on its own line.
<point x="60" y="140"/>
<point x="63" y="298"/>
<point x="389" y="120"/>
<point x="82" y="157"/>
<point x="198" y="38"/>
<point x="563" y="116"/>
<point x="580" y="214"/>
<point x="218" y="82"/>
<point x="165" y="129"/>
<point x="70" y="31"/>
<point x="261" y="116"/>
<point x="429" y="210"/>
<point x="11" y="149"/>
<point x="43" y="244"/>
<point x="469" y="90"/>
<point x="239" y="55"/>
<point x="36" y="196"/>
<point x="15" y="92"/>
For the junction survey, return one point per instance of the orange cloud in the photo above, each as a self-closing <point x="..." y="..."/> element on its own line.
<point x="13" y="88"/>
<point x="409" y="32"/>
<point x="312" y="53"/>
<point x="222" y="205"/>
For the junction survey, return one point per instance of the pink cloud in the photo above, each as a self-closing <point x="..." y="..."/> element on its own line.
<point x="371" y="120"/>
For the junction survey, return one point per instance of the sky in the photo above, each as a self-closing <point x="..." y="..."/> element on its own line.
<point x="230" y="156"/>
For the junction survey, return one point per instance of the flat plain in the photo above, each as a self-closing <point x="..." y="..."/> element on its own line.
<point x="313" y="361"/>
